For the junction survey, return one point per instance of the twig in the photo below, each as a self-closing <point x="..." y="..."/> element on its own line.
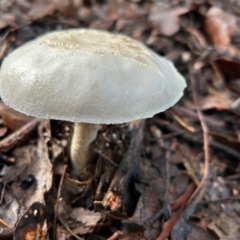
<point x="98" y="225"/>
<point x="3" y="37"/>
<point x="167" y="182"/>
<point x="167" y="226"/>
<point x="180" y="202"/>
<point x="172" y="135"/>
<point x="57" y="201"/>
<point x="190" y="171"/>
<point x="12" y="140"/>
<point x="75" y="235"/>
<point x="105" y="157"/>
<point x="167" y="177"/>
<point x="115" y="236"/>
<point x="187" y="113"/>
<point x="183" y="198"/>
<point x="88" y="185"/>
<point x="116" y="217"/>
<point x="79" y="183"/>
<point x="182" y="122"/>
<point x="6" y="159"/>
<point x="2" y="192"/>
<point x="205" y="144"/>
<point x="194" y="138"/>
<point x="163" y="211"/>
<point x="233" y="177"/>
<point x="237" y="198"/>
<point x="4" y="223"/>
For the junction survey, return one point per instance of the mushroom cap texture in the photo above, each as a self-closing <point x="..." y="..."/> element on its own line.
<point x="93" y="76"/>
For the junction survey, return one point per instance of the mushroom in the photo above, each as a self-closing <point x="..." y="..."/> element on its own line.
<point x="89" y="77"/>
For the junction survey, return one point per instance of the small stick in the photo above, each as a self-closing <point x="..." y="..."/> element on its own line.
<point x="105" y="157"/>
<point x="2" y="192"/>
<point x="205" y="145"/>
<point x="163" y="211"/>
<point x="190" y="171"/>
<point x="193" y="137"/>
<point x="13" y="140"/>
<point x="115" y="236"/>
<point x="57" y="201"/>
<point x="79" y="183"/>
<point x="220" y="200"/>
<point x="181" y="202"/>
<point x="6" y="159"/>
<point x="4" y="223"/>
<point x="76" y="236"/>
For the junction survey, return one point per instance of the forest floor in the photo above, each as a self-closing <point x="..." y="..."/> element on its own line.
<point x="173" y="176"/>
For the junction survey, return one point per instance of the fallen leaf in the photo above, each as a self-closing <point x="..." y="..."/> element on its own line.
<point x="166" y="21"/>
<point x="225" y="227"/>
<point x="85" y="216"/>
<point x="79" y="219"/>
<point x="41" y="9"/>
<point x="122" y="10"/>
<point x="34" y="224"/>
<point x="66" y="7"/>
<point x="7" y="19"/>
<point x="199" y="233"/>
<point x="220" y="25"/>
<point x="26" y="181"/>
<point x="218" y="100"/>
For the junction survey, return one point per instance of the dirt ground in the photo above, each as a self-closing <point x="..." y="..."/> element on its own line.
<point x="174" y="176"/>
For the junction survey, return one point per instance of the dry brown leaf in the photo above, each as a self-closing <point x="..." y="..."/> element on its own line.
<point x="3" y="24"/>
<point x="79" y="219"/>
<point x="66" y="7"/>
<point x="220" y="25"/>
<point x="85" y="216"/>
<point x="198" y="233"/>
<point x="122" y="9"/>
<point x="218" y="100"/>
<point x="166" y="21"/>
<point x="27" y="181"/>
<point x="7" y="19"/>
<point x="225" y="227"/>
<point x="41" y="9"/>
<point x="33" y="224"/>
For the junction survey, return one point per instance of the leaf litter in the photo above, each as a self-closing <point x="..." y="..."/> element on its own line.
<point x="193" y="146"/>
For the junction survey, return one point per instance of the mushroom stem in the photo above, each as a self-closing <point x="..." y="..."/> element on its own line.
<point x="83" y="135"/>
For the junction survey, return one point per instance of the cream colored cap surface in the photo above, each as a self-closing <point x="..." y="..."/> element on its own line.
<point x="92" y="76"/>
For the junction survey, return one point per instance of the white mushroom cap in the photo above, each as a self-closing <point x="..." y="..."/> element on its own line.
<point x="89" y="76"/>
